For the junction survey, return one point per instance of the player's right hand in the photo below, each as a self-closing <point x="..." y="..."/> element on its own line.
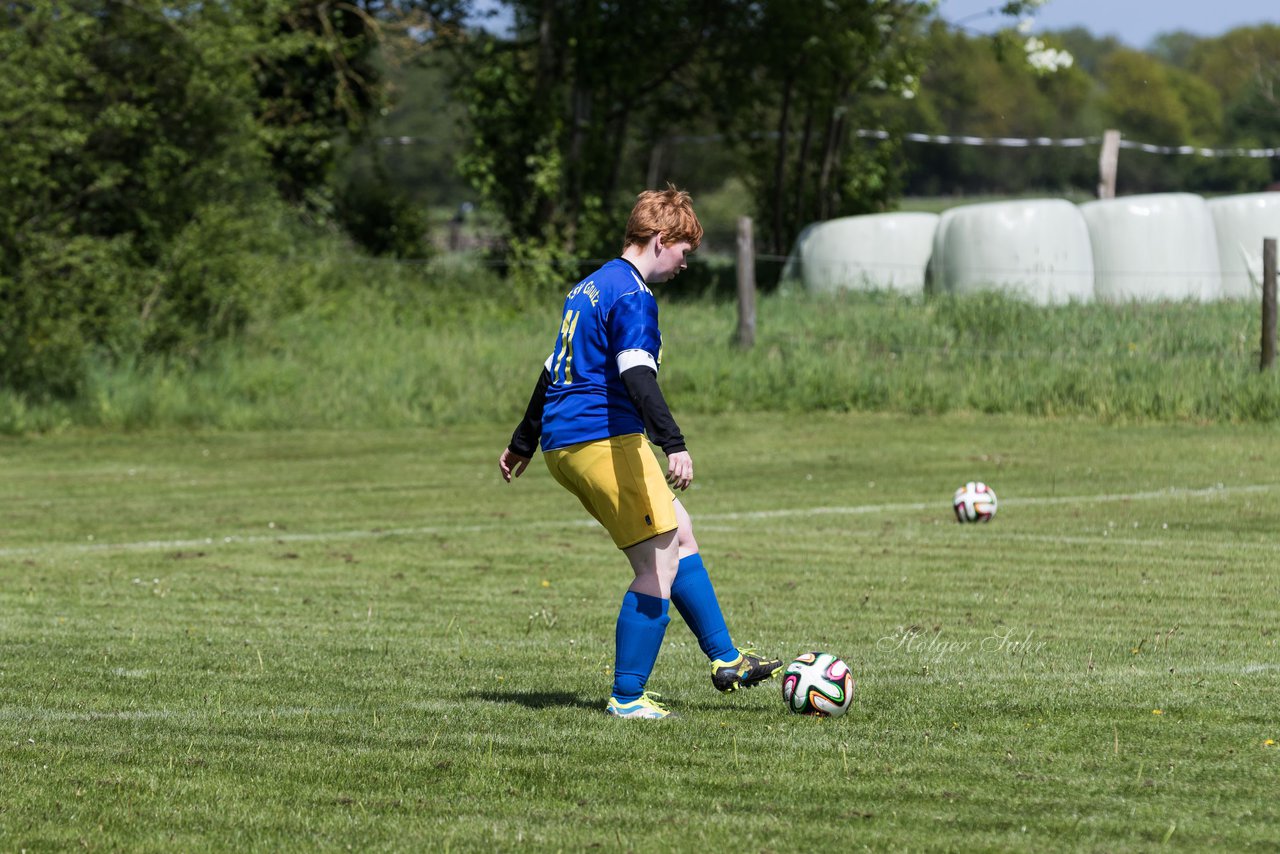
<point x="511" y="464"/>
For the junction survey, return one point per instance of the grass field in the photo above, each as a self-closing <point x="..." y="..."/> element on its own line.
<point x="364" y="640"/>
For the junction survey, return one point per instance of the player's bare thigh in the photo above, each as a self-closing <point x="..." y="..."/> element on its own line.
<point x="654" y="563"/>
<point x="684" y="531"/>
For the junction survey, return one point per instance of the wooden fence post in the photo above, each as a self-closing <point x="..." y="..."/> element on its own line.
<point x="1108" y="161"/>
<point x="746" y="284"/>
<point x="1268" y="303"/>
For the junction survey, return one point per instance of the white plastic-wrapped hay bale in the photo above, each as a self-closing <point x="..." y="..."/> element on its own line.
<point x="1153" y="247"/>
<point x="1242" y="223"/>
<point x="886" y="251"/>
<point x="1036" y="249"/>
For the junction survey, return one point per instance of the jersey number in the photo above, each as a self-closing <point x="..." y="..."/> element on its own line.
<point x="565" y="360"/>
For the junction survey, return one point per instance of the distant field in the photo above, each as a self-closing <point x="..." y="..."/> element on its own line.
<point x="321" y="640"/>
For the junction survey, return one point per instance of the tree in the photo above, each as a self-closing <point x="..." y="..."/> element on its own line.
<point x="1089" y="50"/>
<point x="1175" y="48"/>
<point x="976" y="87"/>
<point x="577" y="104"/>
<point x="316" y="73"/>
<point x="1244" y="67"/>
<point x="1238" y="61"/>
<point x="143" y="144"/>
<point x="557" y="112"/>
<point x="791" y="89"/>
<point x="126" y="124"/>
<point x="1153" y="102"/>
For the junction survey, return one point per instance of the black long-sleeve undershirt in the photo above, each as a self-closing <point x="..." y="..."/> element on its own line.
<point x="524" y="441"/>
<point x="642" y="386"/>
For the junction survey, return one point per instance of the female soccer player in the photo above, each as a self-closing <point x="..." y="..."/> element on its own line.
<point x="594" y="402"/>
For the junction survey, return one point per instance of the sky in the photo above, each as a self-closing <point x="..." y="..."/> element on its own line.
<point x="1134" y="22"/>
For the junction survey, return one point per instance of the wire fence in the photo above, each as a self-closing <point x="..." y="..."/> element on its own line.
<point x="1070" y="142"/>
<point x="963" y="139"/>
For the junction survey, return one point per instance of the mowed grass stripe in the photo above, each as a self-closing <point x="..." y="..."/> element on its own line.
<point x="1172" y="492"/>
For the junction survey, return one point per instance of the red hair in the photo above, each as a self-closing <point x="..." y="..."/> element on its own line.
<point x="667" y="212"/>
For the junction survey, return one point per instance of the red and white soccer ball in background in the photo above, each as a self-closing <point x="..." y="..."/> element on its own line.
<point x="819" y="684"/>
<point x="975" y="502"/>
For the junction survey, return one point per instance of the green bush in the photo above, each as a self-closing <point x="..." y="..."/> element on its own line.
<point x="68" y="299"/>
<point x="81" y="300"/>
<point x="145" y="153"/>
<point x="381" y="218"/>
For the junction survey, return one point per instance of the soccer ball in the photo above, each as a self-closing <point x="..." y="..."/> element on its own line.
<point x="975" y="502"/>
<point x="819" y="684"/>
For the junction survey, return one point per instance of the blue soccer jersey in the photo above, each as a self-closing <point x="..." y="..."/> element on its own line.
<point x="609" y="324"/>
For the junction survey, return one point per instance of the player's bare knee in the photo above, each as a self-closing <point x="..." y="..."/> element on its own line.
<point x="684" y="531"/>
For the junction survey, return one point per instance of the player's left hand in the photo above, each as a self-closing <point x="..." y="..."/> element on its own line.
<point x="680" y="470"/>
<point x="511" y="464"/>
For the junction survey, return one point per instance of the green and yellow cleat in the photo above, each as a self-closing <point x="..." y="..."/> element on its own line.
<point x="745" y="671"/>
<point x="647" y="707"/>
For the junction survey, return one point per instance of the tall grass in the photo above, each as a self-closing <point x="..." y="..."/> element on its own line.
<point x="986" y="353"/>
<point x="430" y="345"/>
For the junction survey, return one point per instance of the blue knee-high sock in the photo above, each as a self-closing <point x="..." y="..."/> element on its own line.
<point x="695" y="599"/>
<point x="642" y="622"/>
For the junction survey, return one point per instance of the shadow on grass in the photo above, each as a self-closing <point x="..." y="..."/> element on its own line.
<point x="542" y="699"/>
<point x="703" y="701"/>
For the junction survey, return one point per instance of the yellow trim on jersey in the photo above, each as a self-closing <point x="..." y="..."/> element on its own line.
<point x="567" y="327"/>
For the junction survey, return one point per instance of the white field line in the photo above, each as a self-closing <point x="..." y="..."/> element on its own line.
<point x="507" y="525"/>
<point x="1171" y="492"/>
<point x="203" y="713"/>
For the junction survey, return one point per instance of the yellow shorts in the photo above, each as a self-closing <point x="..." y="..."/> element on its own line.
<point x="620" y="483"/>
